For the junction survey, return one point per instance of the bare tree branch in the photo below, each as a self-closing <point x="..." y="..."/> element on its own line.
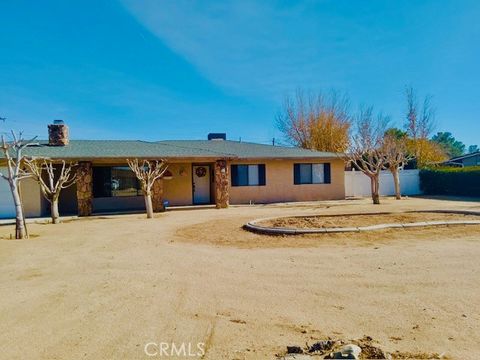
<point x="147" y="173"/>
<point x="420" y="124"/>
<point x="53" y="185"/>
<point x="366" y="149"/>
<point x="16" y="172"/>
<point x="395" y="150"/>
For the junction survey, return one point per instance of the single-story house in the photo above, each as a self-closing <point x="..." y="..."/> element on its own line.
<point x="214" y="171"/>
<point x="472" y="159"/>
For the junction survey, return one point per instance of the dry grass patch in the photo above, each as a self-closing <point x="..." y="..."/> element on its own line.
<point x="230" y="232"/>
<point x="356" y="220"/>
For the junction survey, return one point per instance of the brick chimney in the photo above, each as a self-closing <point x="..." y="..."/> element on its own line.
<point x="58" y="133"/>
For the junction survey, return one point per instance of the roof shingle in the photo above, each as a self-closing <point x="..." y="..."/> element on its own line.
<point x="105" y="149"/>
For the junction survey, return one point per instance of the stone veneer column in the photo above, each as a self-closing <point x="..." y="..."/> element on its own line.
<point x="157" y="196"/>
<point x="84" y="188"/>
<point x="222" y="195"/>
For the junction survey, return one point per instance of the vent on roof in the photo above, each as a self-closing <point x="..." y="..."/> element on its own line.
<point x="217" y="136"/>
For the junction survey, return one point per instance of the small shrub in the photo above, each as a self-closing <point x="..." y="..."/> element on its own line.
<point x="451" y="181"/>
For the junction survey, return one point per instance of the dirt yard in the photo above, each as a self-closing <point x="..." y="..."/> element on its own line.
<point x="339" y="221"/>
<point x="104" y="287"/>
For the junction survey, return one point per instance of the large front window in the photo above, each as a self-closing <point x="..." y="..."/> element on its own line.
<point x="248" y="175"/>
<point x="311" y="174"/>
<point x="115" y="181"/>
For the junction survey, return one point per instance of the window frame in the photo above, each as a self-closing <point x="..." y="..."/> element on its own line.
<point x="327" y="173"/>
<point x="99" y="193"/>
<point x="261" y="169"/>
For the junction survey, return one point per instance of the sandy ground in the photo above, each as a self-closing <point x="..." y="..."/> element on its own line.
<point x="102" y="288"/>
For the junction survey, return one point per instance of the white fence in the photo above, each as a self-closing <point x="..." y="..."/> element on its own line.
<point x="358" y="184"/>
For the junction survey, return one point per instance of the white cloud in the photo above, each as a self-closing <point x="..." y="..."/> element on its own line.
<point x="252" y="46"/>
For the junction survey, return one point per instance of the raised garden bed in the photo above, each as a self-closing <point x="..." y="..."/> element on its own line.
<point x="308" y="224"/>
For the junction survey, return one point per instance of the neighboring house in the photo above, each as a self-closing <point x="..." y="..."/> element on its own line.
<point x="472" y="159"/>
<point x="215" y="171"/>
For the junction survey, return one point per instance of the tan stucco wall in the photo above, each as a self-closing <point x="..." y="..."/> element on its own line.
<point x="280" y="188"/>
<point x="178" y="190"/>
<point x="33" y="201"/>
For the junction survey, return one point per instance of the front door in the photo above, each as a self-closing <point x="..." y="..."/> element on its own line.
<point x="201" y="184"/>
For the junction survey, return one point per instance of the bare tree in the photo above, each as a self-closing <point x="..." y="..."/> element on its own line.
<point x="412" y="113"/>
<point x="147" y="173"/>
<point x="317" y="122"/>
<point x="395" y="150"/>
<point x="420" y="122"/>
<point x="58" y="178"/>
<point x="15" y="173"/>
<point x="367" y="147"/>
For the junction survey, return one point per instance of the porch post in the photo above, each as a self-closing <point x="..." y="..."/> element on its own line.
<point x="157" y="196"/>
<point x="222" y="196"/>
<point x="84" y="188"/>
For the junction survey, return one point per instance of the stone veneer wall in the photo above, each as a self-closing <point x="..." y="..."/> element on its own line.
<point x="84" y="188"/>
<point x="157" y="196"/>
<point x="222" y="197"/>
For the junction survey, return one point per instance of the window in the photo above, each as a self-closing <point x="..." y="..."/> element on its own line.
<point x="248" y="175"/>
<point x="115" y="181"/>
<point x="311" y="174"/>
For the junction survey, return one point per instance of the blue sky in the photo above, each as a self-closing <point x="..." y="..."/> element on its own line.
<point x="134" y="69"/>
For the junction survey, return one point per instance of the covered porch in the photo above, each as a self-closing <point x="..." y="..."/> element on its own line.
<point x="113" y="187"/>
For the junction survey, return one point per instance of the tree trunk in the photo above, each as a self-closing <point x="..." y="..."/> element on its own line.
<point x="54" y="211"/>
<point x="396" y="181"/>
<point x="149" y="206"/>
<point x="375" y="186"/>
<point x="20" y="227"/>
